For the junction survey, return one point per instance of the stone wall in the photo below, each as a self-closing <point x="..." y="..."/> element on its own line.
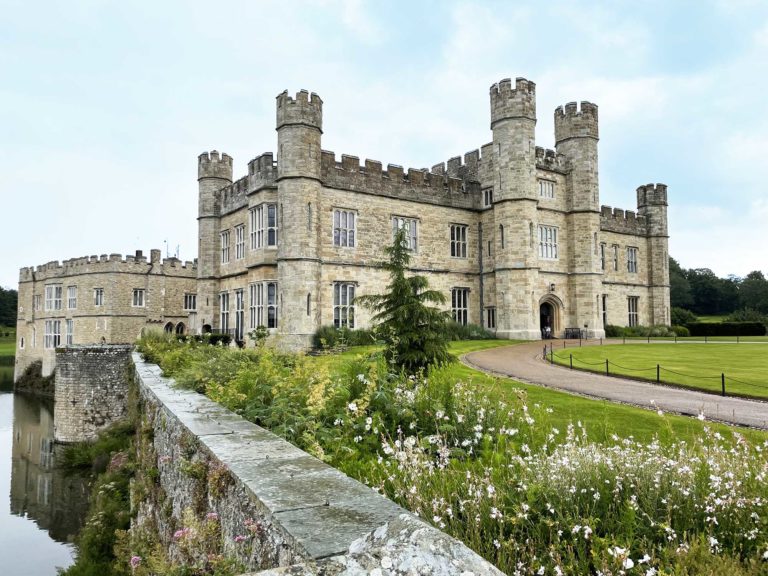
<point x="91" y="390"/>
<point x="280" y="510"/>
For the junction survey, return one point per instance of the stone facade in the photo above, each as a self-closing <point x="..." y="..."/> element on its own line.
<point x="107" y="299"/>
<point x="513" y="234"/>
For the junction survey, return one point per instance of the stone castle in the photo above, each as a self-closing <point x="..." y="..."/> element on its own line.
<point x="513" y="235"/>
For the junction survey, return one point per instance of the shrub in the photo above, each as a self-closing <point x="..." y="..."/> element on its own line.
<point x="727" y="329"/>
<point x="456" y="331"/>
<point x="331" y="337"/>
<point x="681" y="316"/>
<point x="638" y="331"/>
<point x="747" y="315"/>
<point x="681" y="331"/>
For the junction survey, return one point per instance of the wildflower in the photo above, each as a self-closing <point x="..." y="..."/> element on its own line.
<point x="628" y="563"/>
<point x="211" y="516"/>
<point x="240" y="538"/>
<point x="352" y="407"/>
<point x="135" y="561"/>
<point x="700" y="416"/>
<point x="651" y="571"/>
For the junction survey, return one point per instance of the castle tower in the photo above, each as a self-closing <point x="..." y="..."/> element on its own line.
<point x="576" y="137"/>
<point x="299" y="130"/>
<point x="652" y="203"/>
<point x="513" y="122"/>
<point x="214" y="172"/>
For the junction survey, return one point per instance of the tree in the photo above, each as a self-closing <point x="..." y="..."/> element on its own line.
<point x="679" y="287"/>
<point x="753" y="292"/>
<point x="9" y="302"/>
<point x="413" y="331"/>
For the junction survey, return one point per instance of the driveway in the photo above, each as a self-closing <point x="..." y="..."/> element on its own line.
<point x="523" y="363"/>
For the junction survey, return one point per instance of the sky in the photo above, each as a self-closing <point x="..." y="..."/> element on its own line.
<point x="105" y="106"/>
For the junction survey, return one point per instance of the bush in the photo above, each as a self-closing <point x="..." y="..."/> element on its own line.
<point x="681" y="331"/>
<point x="331" y="337"/>
<point x="658" y="331"/>
<point x="456" y="331"/>
<point x="747" y="315"/>
<point x="682" y="317"/>
<point x="727" y="329"/>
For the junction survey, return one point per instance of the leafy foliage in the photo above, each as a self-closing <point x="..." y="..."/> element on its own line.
<point x="681" y="316"/>
<point x="9" y="303"/>
<point x="412" y="329"/>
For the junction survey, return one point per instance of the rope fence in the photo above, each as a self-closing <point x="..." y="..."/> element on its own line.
<point x="549" y="354"/>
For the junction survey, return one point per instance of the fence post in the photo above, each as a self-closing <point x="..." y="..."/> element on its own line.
<point x="563" y="344"/>
<point x="722" y="381"/>
<point x="658" y="374"/>
<point x="649" y="337"/>
<point x="551" y="355"/>
<point x="545" y="353"/>
<point x="606" y="367"/>
<point x="601" y="341"/>
<point x="624" y="338"/>
<point x="675" y="338"/>
<point x="705" y="338"/>
<point x="571" y="361"/>
<point x="737" y="338"/>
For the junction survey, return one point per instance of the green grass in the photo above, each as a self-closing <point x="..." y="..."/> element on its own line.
<point x="602" y="419"/>
<point x="713" y="319"/>
<point x="734" y="339"/>
<point x="7" y="346"/>
<point x="692" y="365"/>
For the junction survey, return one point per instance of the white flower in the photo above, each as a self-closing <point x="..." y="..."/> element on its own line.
<point x="352" y="407"/>
<point x="628" y="563"/>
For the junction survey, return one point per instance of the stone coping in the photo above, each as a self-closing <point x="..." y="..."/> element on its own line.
<point x="338" y="524"/>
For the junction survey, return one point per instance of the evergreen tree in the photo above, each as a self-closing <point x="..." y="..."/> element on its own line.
<point x="9" y="302"/>
<point x="413" y="330"/>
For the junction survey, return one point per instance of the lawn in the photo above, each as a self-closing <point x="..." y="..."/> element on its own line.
<point x="7" y="346"/>
<point x="601" y="419"/>
<point x="692" y="365"/>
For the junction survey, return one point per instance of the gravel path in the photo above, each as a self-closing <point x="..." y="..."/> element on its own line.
<point x="523" y="362"/>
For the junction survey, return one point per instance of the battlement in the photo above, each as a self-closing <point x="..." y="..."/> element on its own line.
<point x="550" y="160"/>
<point x="211" y="165"/>
<point x="264" y="167"/>
<point x="467" y="170"/>
<point x="652" y="195"/>
<point x="306" y="109"/>
<point x="574" y="122"/>
<point x="508" y="102"/>
<point x="417" y="184"/>
<point x="623" y="221"/>
<point x="132" y="263"/>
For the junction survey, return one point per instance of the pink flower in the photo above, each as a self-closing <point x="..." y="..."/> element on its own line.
<point x="135" y="561"/>
<point x="240" y="538"/>
<point x="211" y="516"/>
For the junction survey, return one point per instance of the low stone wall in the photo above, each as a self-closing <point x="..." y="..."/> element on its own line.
<point x="91" y="390"/>
<point x="280" y="510"/>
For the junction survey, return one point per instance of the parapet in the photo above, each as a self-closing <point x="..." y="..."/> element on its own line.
<point x="211" y="165"/>
<point x="652" y="195"/>
<point x="572" y="122"/>
<point x="517" y="102"/>
<point x="622" y="221"/>
<point x="550" y="160"/>
<point x="131" y="263"/>
<point x="417" y="184"/>
<point x="306" y="109"/>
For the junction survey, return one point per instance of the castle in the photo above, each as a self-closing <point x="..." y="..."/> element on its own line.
<point x="97" y="299"/>
<point x="513" y="235"/>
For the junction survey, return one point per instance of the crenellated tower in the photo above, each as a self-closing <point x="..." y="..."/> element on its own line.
<point x="652" y="203"/>
<point x="214" y="171"/>
<point x="299" y="130"/>
<point x="576" y="138"/>
<point x="513" y="122"/>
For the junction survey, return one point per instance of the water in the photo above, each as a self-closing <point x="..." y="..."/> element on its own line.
<point x="44" y="508"/>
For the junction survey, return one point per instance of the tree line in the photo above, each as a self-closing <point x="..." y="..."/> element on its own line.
<point x="702" y="292"/>
<point x="9" y="302"/>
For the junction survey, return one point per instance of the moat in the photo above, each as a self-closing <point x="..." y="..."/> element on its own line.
<point x="41" y="507"/>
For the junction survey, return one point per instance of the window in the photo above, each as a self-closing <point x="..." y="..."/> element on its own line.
<point x="458" y="241"/>
<point x="615" y="257"/>
<point x="409" y="225"/>
<point x="240" y="242"/>
<point x="21" y="343"/>
<point x="70" y="325"/>
<point x="489" y="247"/>
<point x="224" y="312"/>
<point x="37" y="302"/>
<point x="631" y="259"/>
<point x="52" y="334"/>
<point x="501" y="235"/>
<point x="459" y="308"/>
<point x="343" y="305"/>
<point x="98" y="296"/>
<point x="190" y="301"/>
<point x="602" y="256"/>
<point x="263" y="304"/>
<point x="53" y="297"/>
<point x="344" y="228"/>
<point x="548" y="242"/>
<point x="138" y="297"/>
<point x="546" y="189"/>
<point x="239" y="314"/>
<point x="264" y="226"/>
<point x="253" y="219"/>
<point x="224" y="246"/>
<point x="490" y="317"/>
<point x="632" y="302"/>
<point x="488" y="197"/>
<point x="605" y="310"/>
<point x="72" y="297"/>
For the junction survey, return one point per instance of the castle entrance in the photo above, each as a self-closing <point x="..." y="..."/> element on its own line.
<point x="549" y="318"/>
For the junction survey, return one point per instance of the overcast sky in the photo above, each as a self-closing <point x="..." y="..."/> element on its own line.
<point x="105" y="106"/>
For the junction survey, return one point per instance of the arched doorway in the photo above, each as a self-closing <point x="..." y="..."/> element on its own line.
<point x="549" y="317"/>
<point x="180" y="328"/>
<point x="169" y="328"/>
<point x="207" y="329"/>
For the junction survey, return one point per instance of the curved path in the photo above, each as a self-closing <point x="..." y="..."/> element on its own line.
<point x="523" y="362"/>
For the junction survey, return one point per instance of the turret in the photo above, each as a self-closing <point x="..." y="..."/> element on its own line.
<point x="576" y="137"/>
<point x="299" y="127"/>
<point x="214" y="171"/>
<point x="652" y="203"/>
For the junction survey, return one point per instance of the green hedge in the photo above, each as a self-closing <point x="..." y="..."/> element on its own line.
<point x="330" y="337"/>
<point x="612" y="331"/>
<point x="726" y="329"/>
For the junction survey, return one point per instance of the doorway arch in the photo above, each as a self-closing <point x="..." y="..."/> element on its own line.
<point x="169" y="328"/>
<point x="550" y="313"/>
<point x="180" y="328"/>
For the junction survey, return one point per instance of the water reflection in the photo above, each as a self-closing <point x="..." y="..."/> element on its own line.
<point x="56" y="501"/>
<point x="6" y="378"/>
